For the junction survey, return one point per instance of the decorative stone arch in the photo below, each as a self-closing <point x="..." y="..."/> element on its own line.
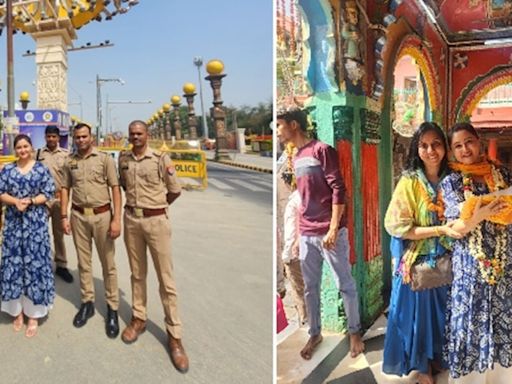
<point x="413" y="47"/>
<point x="478" y="88"/>
<point x="400" y="40"/>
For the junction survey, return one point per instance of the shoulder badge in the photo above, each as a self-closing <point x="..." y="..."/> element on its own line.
<point x="171" y="169"/>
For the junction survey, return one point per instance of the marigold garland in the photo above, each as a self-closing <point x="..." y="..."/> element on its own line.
<point x="411" y="254"/>
<point x="290" y="152"/>
<point x="491" y="268"/>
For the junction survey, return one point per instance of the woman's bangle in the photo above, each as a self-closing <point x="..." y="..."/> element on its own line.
<point x="436" y="231"/>
<point x="33" y="200"/>
<point x="62" y="217"/>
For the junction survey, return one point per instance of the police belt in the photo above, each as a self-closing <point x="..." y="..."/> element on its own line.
<point x="145" y="212"/>
<point x="91" y="211"/>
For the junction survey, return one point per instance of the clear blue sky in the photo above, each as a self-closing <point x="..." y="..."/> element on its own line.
<point x="154" y="46"/>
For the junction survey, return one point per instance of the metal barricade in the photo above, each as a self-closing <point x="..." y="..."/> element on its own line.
<point x="190" y="164"/>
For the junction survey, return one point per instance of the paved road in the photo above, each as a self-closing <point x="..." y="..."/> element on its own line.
<point x="242" y="183"/>
<point x="222" y="252"/>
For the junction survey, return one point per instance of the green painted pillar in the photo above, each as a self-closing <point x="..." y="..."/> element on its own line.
<point x="386" y="189"/>
<point x="358" y="271"/>
<point x="328" y="130"/>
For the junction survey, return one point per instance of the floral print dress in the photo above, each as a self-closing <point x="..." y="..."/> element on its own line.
<point x="25" y="269"/>
<point x="479" y="315"/>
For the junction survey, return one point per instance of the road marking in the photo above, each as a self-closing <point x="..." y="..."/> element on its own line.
<point x="252" y="187"/>
<point x="220" y="185"/>
<point x="265" y="182"/>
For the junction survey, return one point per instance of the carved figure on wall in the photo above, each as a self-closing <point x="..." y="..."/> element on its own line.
<point x="352" y="39"/>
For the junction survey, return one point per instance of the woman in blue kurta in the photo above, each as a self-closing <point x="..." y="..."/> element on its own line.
<point x="26" y="276"/>
<point x="416" y="320"/>
<point x="479" y="322"/>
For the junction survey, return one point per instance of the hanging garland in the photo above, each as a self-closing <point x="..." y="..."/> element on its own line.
<point x="293" y="41"/>
<point x="411" y="254"/>
<point x="280" y="14"/>
<point x="491" y="267"/>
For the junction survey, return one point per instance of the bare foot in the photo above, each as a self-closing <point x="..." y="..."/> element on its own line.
<point x="436" y="367"/>
<point x="31" y="330"/>
<point x="17" y="324"/>
<point x="424" y="378"/>
<point x="309" y="348"/>
<point x="356" y="344"/>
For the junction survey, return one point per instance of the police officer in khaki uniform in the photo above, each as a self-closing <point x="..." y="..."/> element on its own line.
<point x="90" y="173"/>
<point x="53" y="156"/>
<point x="149" y="180"/>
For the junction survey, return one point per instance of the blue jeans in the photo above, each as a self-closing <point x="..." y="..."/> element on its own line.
<point x="312" y="255"/>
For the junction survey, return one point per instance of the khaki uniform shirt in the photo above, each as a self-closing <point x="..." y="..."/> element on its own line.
<point x="147" y="181"/>
<point x="54" y="161"/>
<point x="90" y="178"/>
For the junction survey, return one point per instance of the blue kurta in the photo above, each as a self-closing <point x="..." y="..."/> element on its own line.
<point x="479" y="319"/>
<point x="26" y="254"/>
<point x="416" y="319"/>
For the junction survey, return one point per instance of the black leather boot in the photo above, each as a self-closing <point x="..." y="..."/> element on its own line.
<point x="85" y="312"/>
<point x="111" y="323"/>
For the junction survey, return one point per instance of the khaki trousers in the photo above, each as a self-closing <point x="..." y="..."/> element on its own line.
<point x="85" y="229"/>
<point x="154" y="233"/>
<point x="59" y="249"/>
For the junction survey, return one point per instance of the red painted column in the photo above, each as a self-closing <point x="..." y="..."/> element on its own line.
<point x="370" y="191"/>
<point x="344" y="148"/>
<point x="492" y="150"/>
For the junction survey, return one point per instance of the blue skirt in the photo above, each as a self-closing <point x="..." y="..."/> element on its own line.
<point x="415" y="326"/>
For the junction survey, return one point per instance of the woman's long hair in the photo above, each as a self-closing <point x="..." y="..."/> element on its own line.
<point x="414" y="161"/>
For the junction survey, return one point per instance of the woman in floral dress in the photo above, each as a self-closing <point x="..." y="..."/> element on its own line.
<point x="26" y="276"/>
<point x="479" y="308"/>
<point x="416" y="321"/>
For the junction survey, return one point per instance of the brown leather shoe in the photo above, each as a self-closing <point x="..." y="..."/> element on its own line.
<point x="131" y="332"/>
<point x="178" y="355"/>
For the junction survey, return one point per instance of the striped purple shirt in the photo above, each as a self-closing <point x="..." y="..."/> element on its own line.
<point x="320" y="185"/>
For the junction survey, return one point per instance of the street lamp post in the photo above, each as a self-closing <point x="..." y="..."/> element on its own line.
<point x="11" y="120"/>
<point x="99" y="81"/>
<point x="198" y="62"/>
<point x="24" y="99"/>
<point x="176" y="101"/>
<point x="110" y="102"/>
<point x="156" y="123"/>
<point x="189" y="92"/>
<point x="215" y="68"/>
<point x="166" y="116"/>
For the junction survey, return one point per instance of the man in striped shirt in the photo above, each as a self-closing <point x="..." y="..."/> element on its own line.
<point x="322" y="226"/>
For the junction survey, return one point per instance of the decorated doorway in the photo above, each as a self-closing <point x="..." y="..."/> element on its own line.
<point x="409" y="109"/>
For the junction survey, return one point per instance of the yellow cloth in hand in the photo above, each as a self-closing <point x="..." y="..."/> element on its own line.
<point x="503" y="218"/>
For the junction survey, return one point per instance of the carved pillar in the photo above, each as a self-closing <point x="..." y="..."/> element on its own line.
<point x="52" y="66"/>
<point x="370" y="126"/>
<point x="342" y="119"/>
